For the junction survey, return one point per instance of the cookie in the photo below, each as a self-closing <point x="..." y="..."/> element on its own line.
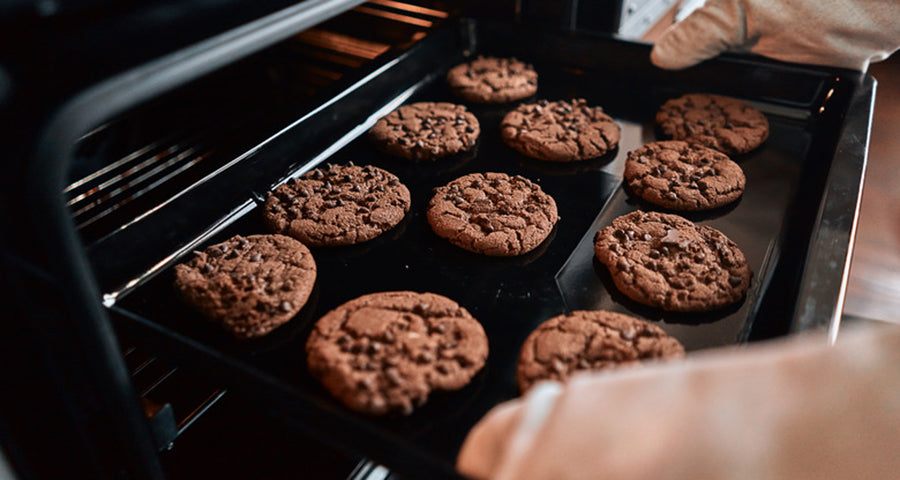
<point x="723" y="123"/>
<point x="666" y="261"/>
<point x="493" y="80"/>
<point x="590" y="340"/>
<point x="560" y="131"/>
<point x="426" y="131"/>
<point x="386" y="352"/>
<point x="250" y="285"/>
<point x="337" y="205"/>
<point x="682" y="176"/>
<point x="492" y="214"/>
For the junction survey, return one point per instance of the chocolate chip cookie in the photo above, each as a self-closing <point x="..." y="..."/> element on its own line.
<point x="492" y="214"/>
<point x="250" y="285"/>
<point x="426" y="131"/>
<point x="560" y="131"/>
<point x="386" y="352"/>
<point x="493" y="80"/>
<point x="681" y="176"/>
<point x="590" y="340"/>
<point x="337" y="205"/>
<point x="723" y="123"/>
<point x="666" y="261"/>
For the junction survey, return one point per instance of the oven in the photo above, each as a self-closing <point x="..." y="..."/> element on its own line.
<point x="137" y="133"/>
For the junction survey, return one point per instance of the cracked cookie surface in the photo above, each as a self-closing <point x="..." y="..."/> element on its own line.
<point x="337" y="205"/>
<point x="726" y="124"/>
<point x="492" y="214"/>
<point x="426" y="131"/>
<point x="493" y="80"/>
<point x="681" y="176"/>
<point x="590" y="340"/>
<point x="562" y="131"/>
<point x="666" y="261"/>
<point x="250" y="285"/>
<point x="386" y="352"/>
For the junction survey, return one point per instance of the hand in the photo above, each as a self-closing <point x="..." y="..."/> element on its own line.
<point x="848" y="33"/>
<point x="794" y="409"/>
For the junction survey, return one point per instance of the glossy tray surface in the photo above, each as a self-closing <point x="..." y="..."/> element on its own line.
<point x="511" y="296"/>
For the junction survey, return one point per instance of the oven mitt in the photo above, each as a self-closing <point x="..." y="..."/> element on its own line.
<point x="849" y="33"/>
<point x="791" y="409"/>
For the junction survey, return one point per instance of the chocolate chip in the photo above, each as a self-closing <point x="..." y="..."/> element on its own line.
<point x="255" y="257"/>
<point x="623" y="264"/>
<point x="207" y="268"/>
<point x="425" y="357"/>
<point x="377" y="403"/>
<point x="391" y="360"/>
<point x="654" y="253"/>
<point x="286" y="306"/>
<point x="558" y="366"/>
<point x="365" y="383"/>
<point x="734" y="281"/>
<point x="393" y="376"/>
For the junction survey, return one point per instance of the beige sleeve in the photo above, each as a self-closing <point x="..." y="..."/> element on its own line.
<point x="847" y="34"/>
<point x="793" y="409"/>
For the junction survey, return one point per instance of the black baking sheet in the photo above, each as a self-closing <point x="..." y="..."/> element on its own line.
<point x="511" y="296"/>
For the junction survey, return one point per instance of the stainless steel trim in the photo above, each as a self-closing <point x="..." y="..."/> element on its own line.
<point x="827" y="265"/>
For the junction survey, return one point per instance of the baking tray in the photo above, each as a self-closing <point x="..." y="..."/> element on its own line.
<point x="774" y="224"/>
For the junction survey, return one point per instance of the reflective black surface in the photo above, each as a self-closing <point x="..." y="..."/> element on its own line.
<point x="508" y="295"/>
<point x="754" y="222"/>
